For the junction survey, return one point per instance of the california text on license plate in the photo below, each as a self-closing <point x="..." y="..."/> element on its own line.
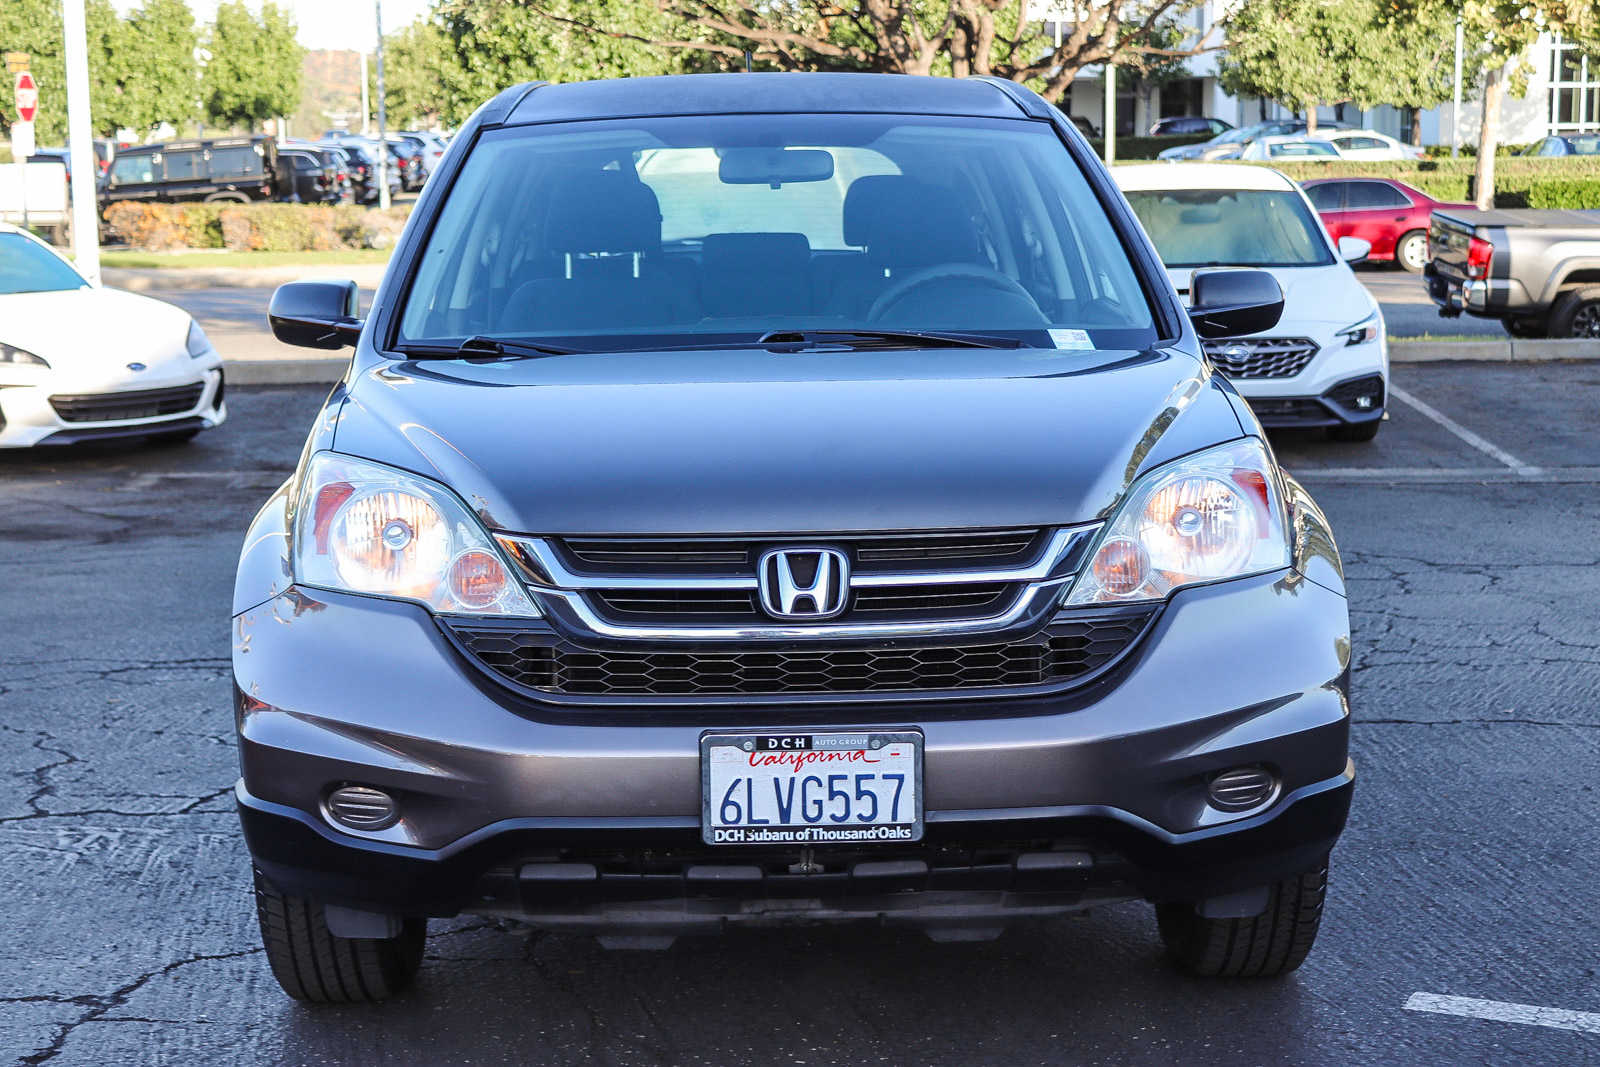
<point x="811" y="788"/>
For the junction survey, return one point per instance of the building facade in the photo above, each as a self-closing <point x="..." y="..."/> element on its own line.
<point x="1563" y="92"/>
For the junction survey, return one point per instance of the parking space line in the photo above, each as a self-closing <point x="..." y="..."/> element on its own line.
<point x="1486" y="447"/>
<point x="1585" y="1022"/>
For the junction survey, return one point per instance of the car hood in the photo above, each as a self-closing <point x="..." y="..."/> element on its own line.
<point x="91" y="335"/>
<point x="749" y="441"/>
<point x="1327" y="295"/>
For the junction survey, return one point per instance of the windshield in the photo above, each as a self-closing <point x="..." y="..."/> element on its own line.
<point x="1231" y="227"/>
<point x="1302" y="148"/>
<point x="1243" y="133"/>
<point x="642" y="232"/>
<point x="27" y="268"/>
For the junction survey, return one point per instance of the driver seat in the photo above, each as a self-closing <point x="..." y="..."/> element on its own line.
<point x="901" y="225"/>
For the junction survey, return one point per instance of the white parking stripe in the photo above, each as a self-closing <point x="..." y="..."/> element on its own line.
<point x="1486" y="447"/>
<point x="1586" y="1022"/>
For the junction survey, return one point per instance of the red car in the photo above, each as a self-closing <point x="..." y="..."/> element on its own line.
<point x="1390" y="215"/>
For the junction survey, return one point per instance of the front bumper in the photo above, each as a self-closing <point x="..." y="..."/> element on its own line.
<point x="1340" y="405"/>
<point x="27" y="417"/>
<point x="335" y="689"/>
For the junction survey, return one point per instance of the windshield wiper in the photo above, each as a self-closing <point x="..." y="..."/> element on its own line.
<point x="486" y="346"/>
<point x="887" y="339"/>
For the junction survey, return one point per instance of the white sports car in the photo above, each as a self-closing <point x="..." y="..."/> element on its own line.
<point x="83" y="363"/>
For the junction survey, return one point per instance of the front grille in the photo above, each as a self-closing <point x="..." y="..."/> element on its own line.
<point x="1288" y="410"/>
<point x="738" y="606"/>
<point x="959" y="550"/>
<point x="1063" y="653"/>
<point x="1261" y="357"/>
<point x="135" y="404"/>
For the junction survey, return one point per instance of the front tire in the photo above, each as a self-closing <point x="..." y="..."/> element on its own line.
<point x="1411" y="251"/>
<point x="313" y="965"/>
<point x="1268" y="945"/>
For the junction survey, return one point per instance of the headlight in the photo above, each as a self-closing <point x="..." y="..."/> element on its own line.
<point x="1213" y="515"/>
<point x="196" y="342"/>
<point x="362" y="527"/>
<point x="1362" y="332"/>
<point x="14" y="355"/>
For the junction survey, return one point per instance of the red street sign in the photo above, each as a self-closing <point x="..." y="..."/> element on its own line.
<point x="27" y="97"/>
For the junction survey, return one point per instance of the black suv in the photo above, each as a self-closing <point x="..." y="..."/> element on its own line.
<point x="231" y="169"/>
<point x="763" y="498"/>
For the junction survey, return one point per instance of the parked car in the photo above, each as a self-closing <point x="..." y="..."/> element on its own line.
<point x="433" y="148"/>
<point x="419" y="157"/>
<point x="1291" y="149"/>
<point x="1325" y="363"/>
<point x="311" y="175"/>
<point x="80" y="362"/>
<point x="230" y="169"/>
<point x="1228" y="143"/>
<point x="1535" y="270"/>
<point x="364" y="168"/>
<point x="1367" y="144"/>
<point x="1182" y="124"/>
<point x="772" y="621"/>
<point x="1583" y="144"/>
<point x="1389" y="215"/>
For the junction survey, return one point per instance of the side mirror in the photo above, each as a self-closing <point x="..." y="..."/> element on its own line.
<point x="1227" y="303"/>
<point x="316" y="314"/>
<point x="1354" y="249"/>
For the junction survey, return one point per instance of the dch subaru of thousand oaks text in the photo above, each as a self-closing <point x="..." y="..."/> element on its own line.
<point x="783" y="498"/>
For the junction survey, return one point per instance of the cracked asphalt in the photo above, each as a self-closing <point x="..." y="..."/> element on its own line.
<point x="127" y="933"/>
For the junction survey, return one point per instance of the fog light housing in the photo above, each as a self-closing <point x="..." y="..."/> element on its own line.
<point x="361" y="807"/>
<point x="1242" y="788"/>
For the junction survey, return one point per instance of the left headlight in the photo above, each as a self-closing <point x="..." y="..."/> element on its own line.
<point x="15" y="356"/>
<point x="361" y="527"/>
<point x="196" y="342"/>
<point x="1213" y="515"/>
<point x="1363" y="332"/>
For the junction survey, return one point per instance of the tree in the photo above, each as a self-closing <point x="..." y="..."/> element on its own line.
<point x="1499" y="36"/>
<point x="253" y="68"/>
<point x="162" y="80"/>
<point x="34" y="26"/>
<point x="1307" y="55"/>
<point x="958" y="37"/>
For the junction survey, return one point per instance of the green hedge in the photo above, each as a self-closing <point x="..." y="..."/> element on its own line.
<point x="1136" y="148"/>
<point x="1519" y="181"/>
<point x="261" y="227"/>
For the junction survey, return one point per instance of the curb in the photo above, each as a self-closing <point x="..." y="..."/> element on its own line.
<point x="1507" y="351"/>
<point x="143" y="279"/>
<point x="285" y="371"/>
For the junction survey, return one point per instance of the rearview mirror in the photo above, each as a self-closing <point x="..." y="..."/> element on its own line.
<point x="774" y="166"/>
<point x="316" y="314"/>
<point x="1354" y="250"/>
<point x="1227" y="303"/>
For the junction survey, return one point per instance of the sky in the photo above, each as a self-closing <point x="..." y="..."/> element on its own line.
<point x="326" y="23"/>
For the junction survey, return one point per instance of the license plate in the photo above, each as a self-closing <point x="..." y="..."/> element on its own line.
<point x="811" y="788"/>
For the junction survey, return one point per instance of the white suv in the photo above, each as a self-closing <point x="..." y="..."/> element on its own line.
<point x="1326" y="363"/>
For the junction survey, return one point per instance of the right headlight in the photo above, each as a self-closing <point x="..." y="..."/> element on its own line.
<point x="1203" y="518"/>
<point x="361" y="527"/>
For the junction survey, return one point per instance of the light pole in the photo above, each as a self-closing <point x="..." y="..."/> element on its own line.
<point x="80" y="132"/>
<point x="383" y="139"/>
<point x="1455" y="109"/>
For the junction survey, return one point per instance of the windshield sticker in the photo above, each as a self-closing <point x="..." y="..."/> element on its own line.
<point x="1076" y="339"/>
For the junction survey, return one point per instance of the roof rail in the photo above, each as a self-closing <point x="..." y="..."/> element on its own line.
<point x="1029" y="102"/>
<point x="506" y="101"/>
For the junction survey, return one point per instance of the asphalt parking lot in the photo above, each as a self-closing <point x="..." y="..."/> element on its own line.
<point x="1471" y="533"/>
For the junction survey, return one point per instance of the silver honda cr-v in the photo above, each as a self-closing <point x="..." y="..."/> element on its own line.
<point x="773" y="498"/>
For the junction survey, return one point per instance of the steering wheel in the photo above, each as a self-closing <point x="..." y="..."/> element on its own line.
<point x="970" y="272"/>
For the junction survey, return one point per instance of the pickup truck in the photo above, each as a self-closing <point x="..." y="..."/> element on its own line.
<point x="1536" y="270"/>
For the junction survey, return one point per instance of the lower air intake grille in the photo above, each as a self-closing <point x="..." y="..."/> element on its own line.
<point x="135" y="404"/>
<point x="1062" y="653"/>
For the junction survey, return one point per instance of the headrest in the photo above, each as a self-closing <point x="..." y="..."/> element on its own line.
<point x="907" y="223"/>
<point x="725" y="252"/>
<point x="603" y="211"/>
